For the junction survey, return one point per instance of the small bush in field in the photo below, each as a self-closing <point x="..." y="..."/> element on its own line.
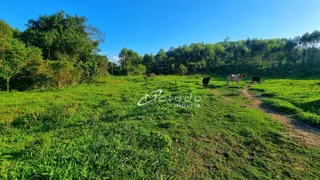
<point x="60" y="73"/>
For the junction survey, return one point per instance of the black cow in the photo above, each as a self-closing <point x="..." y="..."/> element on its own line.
<point x="255" y="79"/>
<point x="205" y="82"/>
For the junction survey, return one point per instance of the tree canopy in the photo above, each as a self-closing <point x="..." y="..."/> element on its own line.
<point x="61" y="42"/>
<point x="61" y="49"/>
<point x="300" y="55"/>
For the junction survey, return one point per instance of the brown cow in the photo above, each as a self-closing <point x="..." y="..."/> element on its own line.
<point x="235" y="78"/>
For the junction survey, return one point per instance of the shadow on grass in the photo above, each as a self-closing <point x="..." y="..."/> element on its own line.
<point x="210" y="86"/>
<point x="235" y="87"/>
<point x="294" y="120"/>
<point x="12" y="155"/>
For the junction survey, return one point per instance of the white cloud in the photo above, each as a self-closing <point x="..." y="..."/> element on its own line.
<point x="115" y="59"/>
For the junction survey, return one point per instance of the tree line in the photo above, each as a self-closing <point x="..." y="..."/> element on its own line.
<point x="54" y="51"/>
<point x="60" y="49"/>
<point x="275" y="57"/>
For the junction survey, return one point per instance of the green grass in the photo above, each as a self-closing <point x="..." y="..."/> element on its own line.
<point x="97" y="131"/>
<point x="300" y="98"/>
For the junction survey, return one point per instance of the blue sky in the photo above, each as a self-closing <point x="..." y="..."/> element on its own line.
<point x="148" y="25"/>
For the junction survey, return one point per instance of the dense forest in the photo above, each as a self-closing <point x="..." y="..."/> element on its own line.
<point x="60" y="49"/>
<point x="274" y="57"/>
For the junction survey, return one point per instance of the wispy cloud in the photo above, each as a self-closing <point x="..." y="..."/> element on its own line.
<point x="115" y="59"/>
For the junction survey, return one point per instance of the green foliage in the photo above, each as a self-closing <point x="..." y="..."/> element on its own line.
<point x="139" y="70"/>
<point x="95" y="65"/>
<point x="63" y="37"/>
<point x="114" y="68"/>
<point x="309" y="117"/>
<point x="58" y="37"/>
<point x="183" y="70"/>
<point x="59" y="73"/>
<point x="131" y="62"/>
<point x="299" y="98"/>
<point x="148" y="61"/>
<point x="276" y="57"/>
<point x="5" y="30"/>
<point x="96" y="131"/>
<point x="14" y="57"/>
<point x="68" y="38"/>
<point x="282" y="105"/>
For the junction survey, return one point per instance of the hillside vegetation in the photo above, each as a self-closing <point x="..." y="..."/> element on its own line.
<point x="62" y="49"/>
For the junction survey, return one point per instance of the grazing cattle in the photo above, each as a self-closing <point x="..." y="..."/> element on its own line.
<point x="205" y="82"/>
<point x="255" y="79"/>
<point x="235" y="78"/>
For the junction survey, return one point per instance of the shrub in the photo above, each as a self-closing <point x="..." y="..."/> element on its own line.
<point x="59" y="73"/>
<point x="138" y="70"/>
<point x="183" y="70"/>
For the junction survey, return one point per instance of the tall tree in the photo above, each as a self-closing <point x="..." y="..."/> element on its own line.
<point x="123" y="58"/>
<point x="61" y="35"/>
<point x="5" y="30"/>
<point x="314" y="43"/>
<point x="131" y="62"/>
<point x="14" y="57"/>
<point x="162" y="65"/>
<point x="66" y="38"/>
<point x="183" y="70"/>
<point x="148" y="61"/>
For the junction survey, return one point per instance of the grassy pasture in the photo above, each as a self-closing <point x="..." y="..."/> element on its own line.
<point x="300" y="98"/>
<point x="97" y="131"/>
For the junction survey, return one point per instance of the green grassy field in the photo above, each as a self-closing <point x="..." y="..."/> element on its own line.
<point x="97" y="131"/>
<point x="300" y="98"/>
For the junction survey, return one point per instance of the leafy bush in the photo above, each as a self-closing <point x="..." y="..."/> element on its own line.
<point x="138" y="70"/>
<point x="59" y="73"/>
<point x="182" y="70"/>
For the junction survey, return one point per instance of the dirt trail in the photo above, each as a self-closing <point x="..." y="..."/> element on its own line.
<point x="297" y="129"/>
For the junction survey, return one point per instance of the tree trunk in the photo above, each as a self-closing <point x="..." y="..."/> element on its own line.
<point x="112" y="69"/>
<point x="49" y="56"/>
<point x="8" y="84"/>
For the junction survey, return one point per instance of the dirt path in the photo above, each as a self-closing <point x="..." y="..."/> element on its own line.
<point x="297" y="129"/>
